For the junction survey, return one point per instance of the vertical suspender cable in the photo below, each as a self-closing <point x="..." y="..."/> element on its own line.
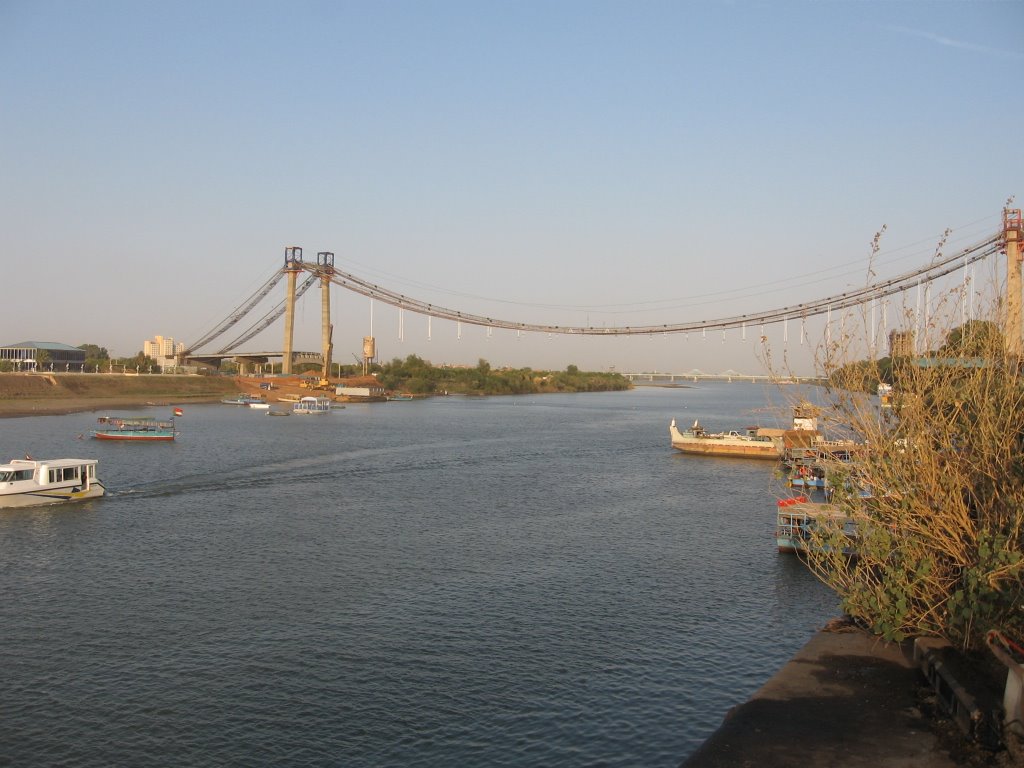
<point x="917" y="320"/>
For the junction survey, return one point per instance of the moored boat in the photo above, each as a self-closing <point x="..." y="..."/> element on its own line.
<point x="139" y="428"/>
<point x="27" y="482"/>
<point x="312" y="406"/>
<point x="807" y="465"/>
<point x="243" y="399"/>
<point x="753" y="443"/>
<point x="797" y="519"/>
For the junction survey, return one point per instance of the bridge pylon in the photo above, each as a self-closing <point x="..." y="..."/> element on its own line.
<point x="325" y="268"/>
<point x="292" y="267"/>
<point x="1013" y="233"/>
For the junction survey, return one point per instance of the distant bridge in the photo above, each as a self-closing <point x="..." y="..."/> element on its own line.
<point x="655" y="378"/>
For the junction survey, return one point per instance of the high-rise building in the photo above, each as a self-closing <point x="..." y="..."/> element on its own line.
<point x="163" y="350"/>
<point x="901" y="343"/>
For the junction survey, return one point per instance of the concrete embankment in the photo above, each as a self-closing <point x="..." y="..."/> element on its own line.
<point x="845" y="699"/>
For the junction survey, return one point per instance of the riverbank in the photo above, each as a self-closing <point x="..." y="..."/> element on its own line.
<point x="42" y="394"/>
<point x="38" y="394"/>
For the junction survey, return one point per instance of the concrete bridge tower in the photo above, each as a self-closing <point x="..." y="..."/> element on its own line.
<point x="292" y="267"/>
<point x="325" y="268"/>
<point x="1013" y="233"/>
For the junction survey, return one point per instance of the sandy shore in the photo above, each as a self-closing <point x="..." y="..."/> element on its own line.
<point x="10" y="409"/>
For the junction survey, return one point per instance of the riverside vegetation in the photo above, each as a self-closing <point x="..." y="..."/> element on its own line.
<point x="937" y="496"/>
<point x="419" y="377"/>
<point x="28" y="393"/>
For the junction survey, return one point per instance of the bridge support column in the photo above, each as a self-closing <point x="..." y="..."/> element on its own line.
<point x="292" y="267"/>
<point x="1012" y="234"/>
<point x="325" y="263"/>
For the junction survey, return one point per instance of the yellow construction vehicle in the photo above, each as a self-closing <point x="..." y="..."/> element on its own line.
<point x="316" y="384"/>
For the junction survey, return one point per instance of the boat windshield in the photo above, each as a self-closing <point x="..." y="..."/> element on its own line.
<point x="10" y="475"/>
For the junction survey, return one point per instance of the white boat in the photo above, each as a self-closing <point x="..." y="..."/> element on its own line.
<point x="243" y="399"/>
<point x="311" y="406"/>
<point x="260" y="406"/>
<point x="27" y="482"/>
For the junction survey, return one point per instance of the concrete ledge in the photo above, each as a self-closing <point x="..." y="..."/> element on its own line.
<point x="845" y="699"/>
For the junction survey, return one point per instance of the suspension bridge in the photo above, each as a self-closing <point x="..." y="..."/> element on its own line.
<point x="1006" y="241"/>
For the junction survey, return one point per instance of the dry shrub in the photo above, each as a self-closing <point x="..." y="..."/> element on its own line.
<point x="936" y="496"/>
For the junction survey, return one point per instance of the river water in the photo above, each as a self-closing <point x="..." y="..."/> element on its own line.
<point x="513" y="581"/>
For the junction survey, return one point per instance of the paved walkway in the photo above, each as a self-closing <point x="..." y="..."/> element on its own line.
<point x="846" y="699"/>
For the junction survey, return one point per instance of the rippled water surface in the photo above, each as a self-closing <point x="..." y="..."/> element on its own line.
<point x="517" y="581"/>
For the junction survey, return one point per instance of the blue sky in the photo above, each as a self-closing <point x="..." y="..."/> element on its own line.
<point x="602" y="163"/>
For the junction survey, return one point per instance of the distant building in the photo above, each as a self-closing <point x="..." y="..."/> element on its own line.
<point x="359" y="387"/>
<point x="163" y="350"/>
<point x="901" y="343"/>
<point x="43" y="356"/>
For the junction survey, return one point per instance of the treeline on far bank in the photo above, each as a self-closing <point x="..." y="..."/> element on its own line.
<point x="420" y="377"/>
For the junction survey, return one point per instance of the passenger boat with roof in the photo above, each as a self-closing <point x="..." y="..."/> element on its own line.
<point x="802" y="524"/>
<point x="139" y="428"/>
<point x="27" y="482"/>
<point x="310" y="405"/>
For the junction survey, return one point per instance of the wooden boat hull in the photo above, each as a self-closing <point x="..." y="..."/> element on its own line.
<point x="137" y="437"/>
<point x="709" y="448"/>
<point x="136" y="428"/>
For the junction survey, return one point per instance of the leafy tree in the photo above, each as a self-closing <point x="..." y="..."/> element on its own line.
<point x="141" y="361"/>
<point x="974" y="338"/>
<point x="94" y="352"/>
<point x="95" y="356"/>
